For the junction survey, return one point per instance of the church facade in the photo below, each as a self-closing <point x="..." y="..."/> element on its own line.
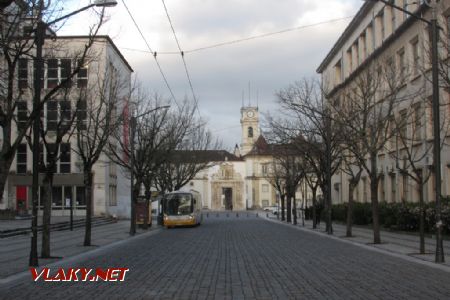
<point x="237" y="181"/>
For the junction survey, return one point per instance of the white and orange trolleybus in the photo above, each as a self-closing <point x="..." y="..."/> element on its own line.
<point x="182" y="208"/>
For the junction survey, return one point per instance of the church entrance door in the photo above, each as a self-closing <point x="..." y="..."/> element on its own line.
<point x="228" y="198"/>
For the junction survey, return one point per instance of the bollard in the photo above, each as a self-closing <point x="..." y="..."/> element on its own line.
<point x="247" y="215"/>
<point x="267" y="215"/>
<point x="257" y="215"/>
<point x="207" y="215"/>
<point x="227" y="215"/>
<point x="237" y="215"/>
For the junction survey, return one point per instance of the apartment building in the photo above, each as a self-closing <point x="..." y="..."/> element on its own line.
<point x="381" y="34"/>
<point x="103" y="63"/>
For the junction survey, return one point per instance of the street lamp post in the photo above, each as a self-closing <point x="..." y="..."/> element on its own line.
<point x="439" y="257"/>
<point x="133" y="120"/>
<point x="37" y="85"/>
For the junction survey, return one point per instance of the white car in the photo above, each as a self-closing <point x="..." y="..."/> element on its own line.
<point x="273" y="209"/>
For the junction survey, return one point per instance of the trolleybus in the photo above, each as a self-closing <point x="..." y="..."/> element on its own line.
<point x="181" y="208"/>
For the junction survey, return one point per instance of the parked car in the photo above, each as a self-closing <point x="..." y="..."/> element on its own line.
<point x="273" y="209"/>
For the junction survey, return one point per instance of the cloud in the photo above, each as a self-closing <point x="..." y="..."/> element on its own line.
<point x="220" y="75"/>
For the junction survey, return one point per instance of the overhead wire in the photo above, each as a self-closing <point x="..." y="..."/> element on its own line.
<point x="153" y="54"/>
<point x="236" y="41"/>
<point x="182" y="57"/>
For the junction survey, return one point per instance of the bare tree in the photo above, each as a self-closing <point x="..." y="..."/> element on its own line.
<point x="97" y="119"/>
<point x="365" y="109"/>
<point x="310" y="129"/>
<point x="157" y="133"/>
<point x="276" y="177"/>
<point x="188" y="159"/>
<point x="18" y="24"/>
<point x="55" y="137"/>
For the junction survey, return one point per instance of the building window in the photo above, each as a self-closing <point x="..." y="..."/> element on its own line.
<point x="264" y="169"/>
<point x="364" y="181"/>
<point x="350" y="60"/>
<point x="81" y="114"/>
<point x="363" y="46"/>
<point x="58" y="70"/>
<point x="52" y="115"/>
<point x="80" y="197"/>
<point x="393" y="187"/>
<point x="338" y="72"/>
<point x="265" y="203"/>
<point x="403" y="130"/>
<point x="65" y="72"/>
<point x="405" y="187"/>
<point x="417" y="122"/>
<point x="401" y="63"/>
<point x="371" y="32"/>
<point x="66" y="114"/>
<point x="112" y="195"/>
<point x="265" y="188"/>
<point x="82" y="76"/>
<point x="52" y="73"/>
<point x="22" y="159"/>
<point x="415" y="56"/>
<point x="22" y="115"/>
<point x="64" y="158"/>
<point x="357" y="61"/>
<point x="250" y="132"/>
<point x="57" y="197"/>
<point x="23" y="73"/>
<point x="67" y="196"/>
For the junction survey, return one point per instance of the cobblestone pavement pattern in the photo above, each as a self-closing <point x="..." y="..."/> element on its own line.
<point x="246" y="258"/>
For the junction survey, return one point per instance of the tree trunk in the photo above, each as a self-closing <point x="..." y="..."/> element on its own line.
<point x="351" y="189"/>
<point x="288" y="209"/>
<point x="421" y="215"/>
<point x="4" y="171"/>
<point x="374" y="199"/>
<point x="327" y="204"/>
<point x="88" y="197"/>
<point x="147" y="206"/>
<point x="303" y="211"/>
<point x="283" y="217"/>
<point x="136" y="190"/>
<point x="314" y="217"/>
<point x="294" y="210"/>
<point x="46" y="217"/>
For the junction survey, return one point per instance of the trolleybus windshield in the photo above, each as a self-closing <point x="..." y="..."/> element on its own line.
<point x="178" y="204"/>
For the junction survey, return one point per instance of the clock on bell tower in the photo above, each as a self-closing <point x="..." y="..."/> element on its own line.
<point x="250" y="128"/>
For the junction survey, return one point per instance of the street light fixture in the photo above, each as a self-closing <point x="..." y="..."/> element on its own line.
<point x="439" y="257"/>
<point x="133" y="129"/>
<point x="38" y="71"/>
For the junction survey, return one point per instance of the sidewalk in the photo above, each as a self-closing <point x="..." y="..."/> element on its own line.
<point x="14" y="251"/>
<point x="26" y="223"/>
<point x="396" y="243"/>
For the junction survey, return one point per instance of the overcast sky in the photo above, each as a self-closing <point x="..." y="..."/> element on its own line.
<point x="221" y="75"/>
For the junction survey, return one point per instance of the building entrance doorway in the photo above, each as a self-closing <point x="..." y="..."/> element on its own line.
<point x="227" y="198"/>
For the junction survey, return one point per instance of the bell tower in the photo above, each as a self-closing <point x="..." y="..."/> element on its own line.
<point x="250" y="128"/>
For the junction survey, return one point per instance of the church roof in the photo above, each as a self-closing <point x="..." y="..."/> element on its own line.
<point x="262" y="147"/>
<point x="206" y="155"/>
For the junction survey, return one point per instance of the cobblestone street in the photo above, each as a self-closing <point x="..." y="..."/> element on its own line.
<point x="244" y="258"/>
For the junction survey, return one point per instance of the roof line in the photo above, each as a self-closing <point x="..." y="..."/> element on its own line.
<point x="348" y="30"/>
<point x="110" y="41"/>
